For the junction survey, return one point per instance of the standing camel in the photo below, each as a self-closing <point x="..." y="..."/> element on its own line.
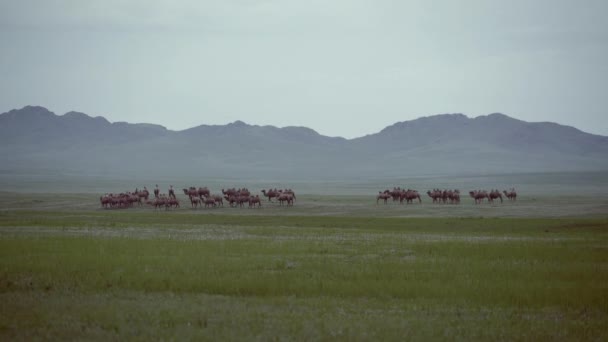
<point x="383" y="196"/>
<point x="511" y="194"/>
<point x="494" y="194"/>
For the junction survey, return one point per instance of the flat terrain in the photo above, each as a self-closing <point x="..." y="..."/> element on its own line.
<point x="335" y="205"/>
<point x="335" y="266"/>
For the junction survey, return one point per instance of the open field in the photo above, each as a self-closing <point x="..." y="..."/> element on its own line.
<point x="136" y="274"/>
<point x="335" y="205"/>
<point x="336" y="266"/>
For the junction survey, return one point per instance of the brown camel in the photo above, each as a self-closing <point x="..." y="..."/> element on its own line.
<point x="383" y="196"/>
<point x="270" y="194"/>
<point x="411" y="195"/>
<point x="511" y="194"/>
<point x="195" y="201"/>
<point x="255" y="200"/>
<point x="190" y="192"/>
<point x="435" y="195"/>
<point x="142" y="193"/>
<point x="494" y="194"/>
<point x="285" y="198"/>
<point x="479" y="195"/>
<point x="203" y="192"/>
<point x="218" y="199"/>
<point x="172" y="202"/>
<point x="289" y="192"/>
<point x="210" y="202"/>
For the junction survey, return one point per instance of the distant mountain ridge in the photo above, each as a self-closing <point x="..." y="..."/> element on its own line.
<point x="35" y="138"/>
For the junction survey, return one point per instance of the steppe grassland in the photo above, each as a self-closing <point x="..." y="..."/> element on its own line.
<point x="232" y="273"/>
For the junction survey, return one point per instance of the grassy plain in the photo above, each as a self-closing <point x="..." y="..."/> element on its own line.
<point x="336" y="266"/>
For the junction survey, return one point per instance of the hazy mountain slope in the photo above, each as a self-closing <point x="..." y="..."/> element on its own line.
<point x="494" y="129"/>
<point x="496" y="142"/>
<point x="34" y="139"/>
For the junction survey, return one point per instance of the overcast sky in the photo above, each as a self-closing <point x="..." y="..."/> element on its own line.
<point x="344" y="68"/>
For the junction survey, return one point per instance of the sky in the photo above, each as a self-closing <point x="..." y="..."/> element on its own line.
<point x="344" y="68"/>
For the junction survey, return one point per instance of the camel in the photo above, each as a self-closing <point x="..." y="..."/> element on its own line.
<point x="217" y="199"/>
<point x="209" y="202"/>
<point x="241" y="200"/>
<point x="410" y="196"/>
<point x="172" y="202"/>
<point x="122" y="200"/>
<point x="455" y="197"/>
<point x="142" y="194"/>
<point x="494" y="194"/>
<point x="190" y="192"/>
<point x="232" y="200"/>
<point x="383" y="196"/>
<point x="445" y="196"/>
<point x="396" y="193"/>
<point x="105" y="201"/>
<point x="479" y="195"/>
<point x="253" y="200"/>
<point x="511" y="194"/>
<point x="270" y="194"/>
<point x="288" y="192"/>
<point x="158" y="202"/>
<point x="285" y="198"/>
<point x="195" y="201"/>
<point x="229" y="192"/>
<point x="203" y="192"/>
<point x="434" y="195"/>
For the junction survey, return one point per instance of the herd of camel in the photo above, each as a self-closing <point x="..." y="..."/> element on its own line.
<point x="198" y="197"/>
<point x="443" y="196"/>
<point x="201" y="196"/>
<point x="237" y="197"/>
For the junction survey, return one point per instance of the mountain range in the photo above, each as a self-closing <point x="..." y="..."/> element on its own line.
<point x="33" y="139"/>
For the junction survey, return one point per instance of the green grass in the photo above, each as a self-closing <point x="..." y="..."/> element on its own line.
<point x="181" y="275"/>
